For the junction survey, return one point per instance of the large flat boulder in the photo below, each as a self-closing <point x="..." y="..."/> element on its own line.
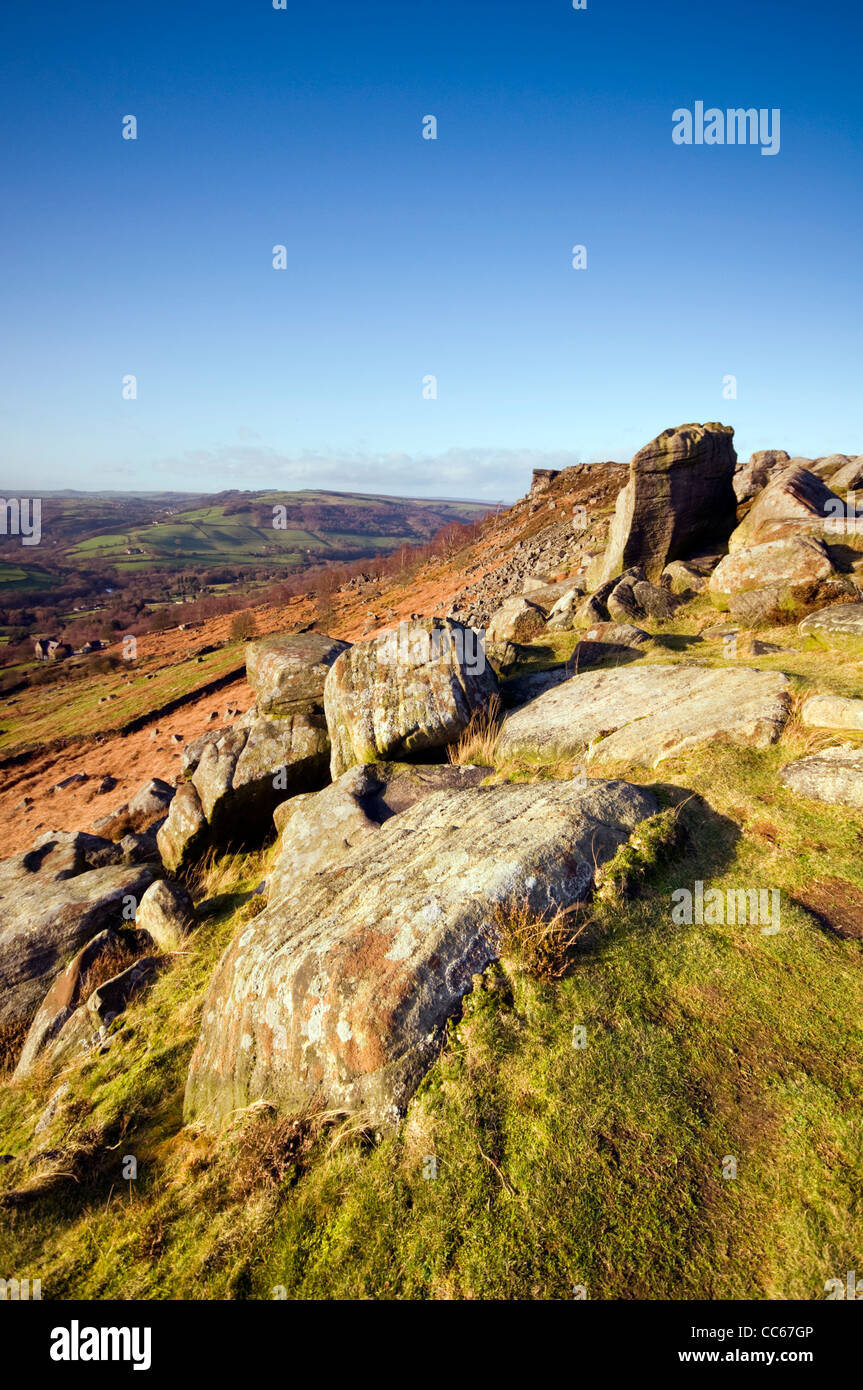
<point x="679" y="499"/>
<point x="43" y="924"/>
<point x="344" y="990"/>
<point x="646" y="714"/>
<point x="405" y="692"/>
<point x="834" y="775"/>
<point x="287" y="671"/>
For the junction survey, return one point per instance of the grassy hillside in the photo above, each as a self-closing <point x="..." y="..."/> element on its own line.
<point x="556" y="1167"/>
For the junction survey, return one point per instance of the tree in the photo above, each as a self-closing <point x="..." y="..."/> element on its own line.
<point x="244" y="625"/>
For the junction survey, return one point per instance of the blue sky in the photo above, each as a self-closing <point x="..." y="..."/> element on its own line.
<point x="408" y="257"/>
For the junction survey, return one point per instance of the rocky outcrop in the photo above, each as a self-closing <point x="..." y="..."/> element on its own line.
<point x="517" y="620"/>
<point x="795" y="503"/>
<point x="679" y="499"/>
<point x="44" y="921"/>
<point x="287" y="672"/>
<point x="776" y="580"/>
<point x="167" y="914"/>
<point x="405" y="692"/>
<point x="834" y="775"/>
<point x="750" y="478"/>
<point x="344" y="990"/>
<point x="317" y="829"/>
<point x="646" y="714"/>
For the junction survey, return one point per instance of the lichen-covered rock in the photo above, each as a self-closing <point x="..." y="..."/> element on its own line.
<point x="167" y="913"/>
<point x="185" y="833"/>
<point x="774" y="581"/>
<point x="643" y="715"/>
<point x="517" y="620"/>
<point x="795" y="503"/>
<point x="318" y="828"/>
<point x="242" y="777"/>
<point x="344" y="990"/>
<point x="43" y="924"/>
<point x="287" y="672"/>
<point x="834" y="775"/>
<point x="840" y="626"/>
<point x="407" y="691"/>
<point x="679" y="499"/>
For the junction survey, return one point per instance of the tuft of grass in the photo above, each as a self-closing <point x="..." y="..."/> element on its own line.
<point x="478" y="743"/>
<point x="541" y="946"/>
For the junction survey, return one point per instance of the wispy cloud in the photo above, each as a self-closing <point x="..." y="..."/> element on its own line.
<point x="495" y="474"/>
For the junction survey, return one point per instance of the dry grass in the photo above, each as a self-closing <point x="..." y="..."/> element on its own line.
<point x="272" y="1151"/>
<point x="541" y="946"/>
<point x="107" y="964"/>
<point x="478" y="743"/>
<point x="12" y="1037"/>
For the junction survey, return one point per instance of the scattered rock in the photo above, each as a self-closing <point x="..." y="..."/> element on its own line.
<point x="834" y="775"/>
<point x="344" y="990"/>
<point x="166" y="911"/>
<point x="832" y="712"/>
<point x="517" y="620"/>
<point x="839" y="626"/>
